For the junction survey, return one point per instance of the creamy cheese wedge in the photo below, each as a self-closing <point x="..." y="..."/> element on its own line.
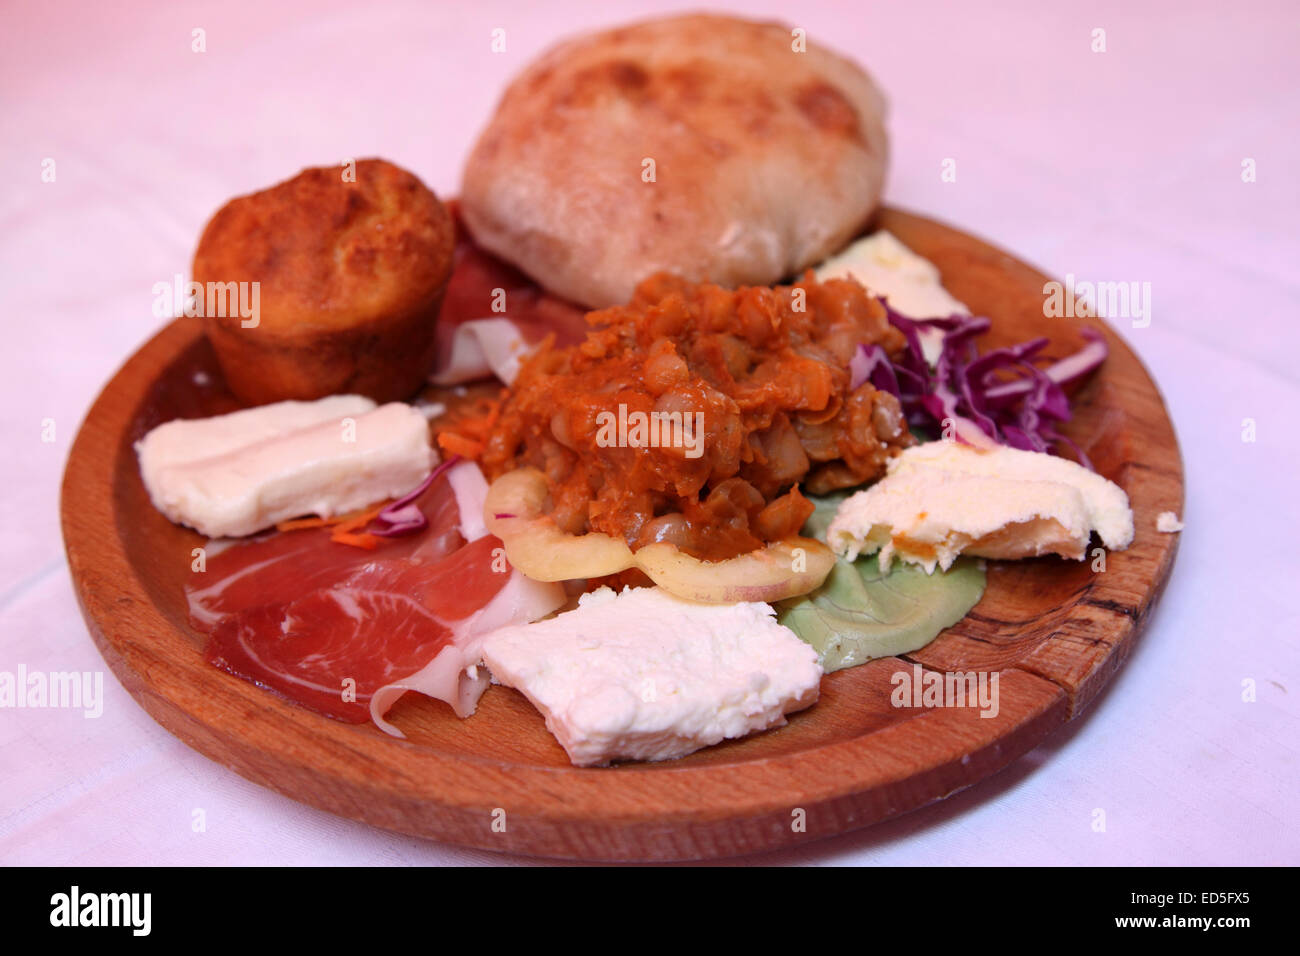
<point x="236" y="474"/>
<point x="643" y="675"/>
<point x="942" y="499"/>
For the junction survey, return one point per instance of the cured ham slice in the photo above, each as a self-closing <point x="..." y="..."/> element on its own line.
<point x="477" y="348"/>
<point x="493" y="315"/>
<point x="331" y="649"/>
<point x="453" y="675"/>
<point x="280" y="566"/>
<point x="330" y="626"/>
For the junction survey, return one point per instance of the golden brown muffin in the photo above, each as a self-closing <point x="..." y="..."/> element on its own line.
<point x="351" y="275"/>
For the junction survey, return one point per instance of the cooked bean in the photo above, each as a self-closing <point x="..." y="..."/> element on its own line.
<point x="690" y="414"/>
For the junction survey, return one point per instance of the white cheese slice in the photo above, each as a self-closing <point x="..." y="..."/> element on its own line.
<point x="193" y="439"/>
<point x="643" y="675"/>
<point x="942" y="499"/>
<point x="237" y="474"/>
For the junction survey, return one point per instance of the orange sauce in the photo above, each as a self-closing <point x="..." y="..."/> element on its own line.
<point x="694" y="414"/>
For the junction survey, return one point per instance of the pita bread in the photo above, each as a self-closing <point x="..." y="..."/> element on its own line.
<point x="702" y="145"/>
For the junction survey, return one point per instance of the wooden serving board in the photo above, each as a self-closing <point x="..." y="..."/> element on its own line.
<point x="1053" y="630"/>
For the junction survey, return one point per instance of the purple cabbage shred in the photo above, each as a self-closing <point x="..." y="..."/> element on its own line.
<point x="1004" y="397"/>
<point x="404" y="516"/>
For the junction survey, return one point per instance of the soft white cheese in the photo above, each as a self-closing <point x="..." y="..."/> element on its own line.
<point x="194" y="439"/>
<point x="1167" y="523"/>
<point x="236" y="474"/>
<point x="911" y="283"/>
<point x="942" y="499"/>
<point x="643" y="675"/>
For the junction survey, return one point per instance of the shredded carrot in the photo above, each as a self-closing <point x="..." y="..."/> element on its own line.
<point x="367" y="541"/>
<point x="344" y="531"/>
<point x="299" y="523"/>
<point x="344" y="527"/>
<point x="357" y="521"/>
<point x="468" y="436"/>
<point x="294" y="524"/>
<point x="460" y="445"/>
<point x="481" y="426"/>
<point x="468" y="440"/>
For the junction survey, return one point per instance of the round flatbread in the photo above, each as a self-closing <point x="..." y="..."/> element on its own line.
<point x="716" y="148"/>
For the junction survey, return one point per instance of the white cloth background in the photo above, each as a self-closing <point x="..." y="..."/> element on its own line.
<point x="1123" y="165"/>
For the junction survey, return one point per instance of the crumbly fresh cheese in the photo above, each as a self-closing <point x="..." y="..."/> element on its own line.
<point x="643" y="675"/>
<point x="236" y="474"/>
<point x="1167" y="523"/>
<point x="942" y="499"/>
<point x="911" y="284"/>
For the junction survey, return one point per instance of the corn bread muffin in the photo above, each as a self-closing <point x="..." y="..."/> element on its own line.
<point x="350" y="274"/>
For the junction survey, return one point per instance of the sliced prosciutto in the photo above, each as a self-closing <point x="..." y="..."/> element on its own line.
<point x="331" y="649"/>
<point x="345" y="631"/>
<point x="283" y="565"/>
<point x="492" y="315"/>
<point x="453" y="675"/>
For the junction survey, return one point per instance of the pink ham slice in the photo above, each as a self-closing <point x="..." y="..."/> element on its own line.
<point x="386" y="620"/>
<point x="492" y="315"/>
<point x="309" y="618"/>
<point x="280" y="566"/>
<point x="454" y="674"/>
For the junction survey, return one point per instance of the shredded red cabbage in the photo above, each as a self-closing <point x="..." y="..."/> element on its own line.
<point x="404" y="516"/>
<point x="999" y="398"/>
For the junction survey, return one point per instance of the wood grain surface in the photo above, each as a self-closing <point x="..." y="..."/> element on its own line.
<point x="1053" y="630"/>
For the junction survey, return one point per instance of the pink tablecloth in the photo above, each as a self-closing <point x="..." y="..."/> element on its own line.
<point x="1119" y="165"/>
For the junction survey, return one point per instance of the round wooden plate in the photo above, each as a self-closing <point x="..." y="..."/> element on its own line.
<point x="1054" y="630"/>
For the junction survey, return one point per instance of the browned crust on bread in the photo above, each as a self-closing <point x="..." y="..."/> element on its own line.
<point x="351" y="276"/>
<point x="766" y="160"/>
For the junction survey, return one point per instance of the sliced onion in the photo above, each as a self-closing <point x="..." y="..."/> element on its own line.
<point x="784" y="569"/>
<point x="513" y="512"/>
<point x="545" y="553"/>
<point x="537" y="548"/>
